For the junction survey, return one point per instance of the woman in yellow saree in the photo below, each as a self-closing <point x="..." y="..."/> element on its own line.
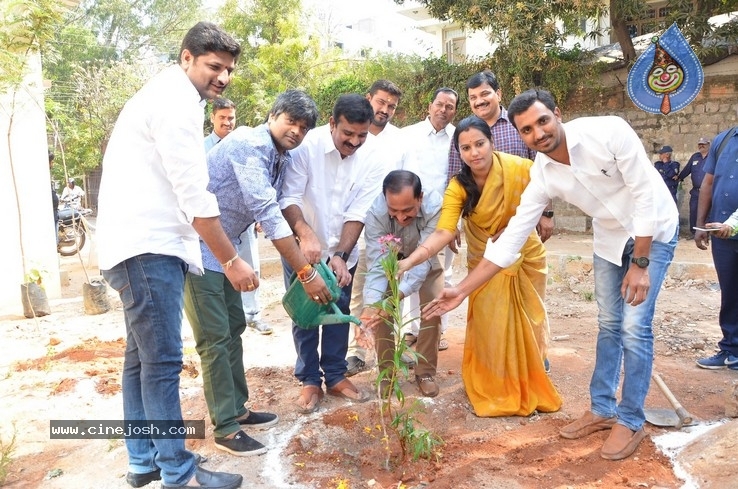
<point x="507" y="326"/>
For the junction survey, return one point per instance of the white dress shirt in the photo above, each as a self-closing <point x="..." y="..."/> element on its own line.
<point x="331" y="190"/>
<point x="426" y="153"/>
<point x="610" y="178"/>
<point x="154" y="180"/>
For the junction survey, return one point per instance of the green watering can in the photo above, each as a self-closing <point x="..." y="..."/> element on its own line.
<point x="308" y="314"/>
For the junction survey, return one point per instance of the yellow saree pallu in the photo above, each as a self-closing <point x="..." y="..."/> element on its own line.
<point x="507" y="326"/>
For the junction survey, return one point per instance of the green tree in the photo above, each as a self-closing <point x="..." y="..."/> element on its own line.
<point x="524" y="31"/>
<point x="99" y="41"/>
<point x="277" y="54"/>
<point x="129" y="29"/>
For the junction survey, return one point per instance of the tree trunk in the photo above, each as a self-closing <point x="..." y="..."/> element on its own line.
<point x="621" y="32"/>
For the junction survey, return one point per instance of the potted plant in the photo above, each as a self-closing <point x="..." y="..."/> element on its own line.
<point x="33" y="294"/>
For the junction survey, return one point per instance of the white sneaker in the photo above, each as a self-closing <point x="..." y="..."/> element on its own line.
<point x="260" y="326"/>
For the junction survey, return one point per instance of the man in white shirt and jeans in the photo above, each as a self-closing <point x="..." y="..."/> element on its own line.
<point x="326" y="194"/>
<point x="147" y="245"/>
<point x="599" y="165"/>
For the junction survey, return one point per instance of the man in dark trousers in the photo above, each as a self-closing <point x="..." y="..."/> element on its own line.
<point x="718" y="201"/>
<point x="695" y="167"/>
<point x="668" y="169"/>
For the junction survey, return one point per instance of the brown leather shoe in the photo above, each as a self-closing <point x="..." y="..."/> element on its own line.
<point x="586" y="425"/>
<point x="427" y="385"/>
<point x="621" y="443"/>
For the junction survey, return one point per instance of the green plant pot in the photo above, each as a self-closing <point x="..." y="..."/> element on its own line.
<point x="35" y="302"/>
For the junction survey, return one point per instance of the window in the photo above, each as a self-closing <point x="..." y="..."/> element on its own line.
<point x="654" y="20"/>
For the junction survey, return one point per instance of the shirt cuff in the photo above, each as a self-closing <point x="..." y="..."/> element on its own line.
<point x="499" y="256"/>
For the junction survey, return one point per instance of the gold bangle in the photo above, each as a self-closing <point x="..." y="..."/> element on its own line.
<point x="228" y="264"/>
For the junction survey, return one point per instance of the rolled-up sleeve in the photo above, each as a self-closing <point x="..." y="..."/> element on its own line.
<point x="253" y="174"/>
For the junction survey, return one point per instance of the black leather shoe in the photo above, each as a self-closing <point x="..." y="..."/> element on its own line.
<point x="212" y="480"/>
<point x="140" y="480"/>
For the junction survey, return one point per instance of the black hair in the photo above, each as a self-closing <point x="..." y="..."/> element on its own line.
<point x="206" y="37"/>
<point x="385" y="86"/>
<point x="396" y="180"/>
<point x="220" y="103"/>
<point x="298" y="105"/>
<point x="465" y="177"/>
<point x="447" y="90"/>
<point x="354" y="108"/>
<point x="525" y="100"/>
<point x="481" y="78"/>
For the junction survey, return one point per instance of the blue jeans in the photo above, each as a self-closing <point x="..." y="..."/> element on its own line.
<point x="725" y="256"/>
<point x="330" y="363"/>
<point x="625" y="336"/>
<point x="151" y="289"/>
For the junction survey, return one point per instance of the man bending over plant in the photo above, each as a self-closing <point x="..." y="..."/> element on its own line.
<point x="400" y="219"/>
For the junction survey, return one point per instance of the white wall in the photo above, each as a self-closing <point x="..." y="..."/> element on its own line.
<point x="30" y="197"/>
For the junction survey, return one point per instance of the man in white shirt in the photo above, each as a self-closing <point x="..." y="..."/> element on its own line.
<point x="599" y="165"/>
<point x="426" y="155"/>
<point x="146" y="245"/>
<point x="327" y="192"/>
<point x="383" y="96"/>
<point x="72" y="194"/>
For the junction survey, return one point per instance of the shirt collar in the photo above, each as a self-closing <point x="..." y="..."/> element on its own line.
<point x="432" y="130"/>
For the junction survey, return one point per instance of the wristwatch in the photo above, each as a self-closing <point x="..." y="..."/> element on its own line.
<point x="641" y="261"/>
<point x="548" y="214"/>
<point x="342" y="255"/>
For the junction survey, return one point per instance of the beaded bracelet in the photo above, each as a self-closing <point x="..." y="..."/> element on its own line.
<point x="228" y="264"/>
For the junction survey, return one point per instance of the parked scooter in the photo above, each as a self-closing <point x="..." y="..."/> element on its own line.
<point x="71" y="230"/>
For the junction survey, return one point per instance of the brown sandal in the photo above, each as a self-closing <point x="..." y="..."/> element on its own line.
<point x="310" y="397"/>
<point x="347" y="390"/>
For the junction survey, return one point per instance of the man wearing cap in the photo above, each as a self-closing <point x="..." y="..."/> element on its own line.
<point x="668" y="169"/>
<point x="695" y="167"/>
<point x="72" y="194"/>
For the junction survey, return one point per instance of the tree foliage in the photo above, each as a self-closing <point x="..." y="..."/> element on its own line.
<point x="97" y="59"/>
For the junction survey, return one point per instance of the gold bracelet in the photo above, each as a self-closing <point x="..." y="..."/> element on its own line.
<point x="228" y="264"/>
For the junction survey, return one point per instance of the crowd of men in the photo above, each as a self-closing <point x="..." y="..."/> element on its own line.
<point x="312" y="191"/>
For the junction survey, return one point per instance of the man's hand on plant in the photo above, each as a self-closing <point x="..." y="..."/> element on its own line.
<point x="402" y="267"/>
<point x="448" y="299"/>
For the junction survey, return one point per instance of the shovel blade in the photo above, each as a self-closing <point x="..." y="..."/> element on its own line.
<point x="662" y="417"/>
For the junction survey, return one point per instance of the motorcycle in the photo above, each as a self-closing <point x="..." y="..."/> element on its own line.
<point x="71" y="230"/>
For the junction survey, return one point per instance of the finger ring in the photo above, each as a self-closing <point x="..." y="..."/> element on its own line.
<point x="316" y="297"/>
<point x="250" y="287"/>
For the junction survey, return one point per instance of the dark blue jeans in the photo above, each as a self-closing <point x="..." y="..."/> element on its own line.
<point x="151" y="288"/>
<point x="725" y="256"/>
<point x="330" y="363"/>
